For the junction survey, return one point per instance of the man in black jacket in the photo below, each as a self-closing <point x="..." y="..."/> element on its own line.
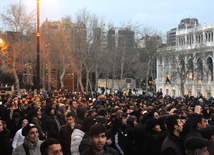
<point x="65" y="133"/>
<point x="98" y="139"/>
<point x="172" y="145"/>
<point x="4" y="112"/>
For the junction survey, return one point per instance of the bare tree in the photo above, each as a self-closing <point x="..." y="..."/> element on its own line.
<point x="150" y="42"/>
<point x="184" y="65"/>
<point x="17" y="19"/>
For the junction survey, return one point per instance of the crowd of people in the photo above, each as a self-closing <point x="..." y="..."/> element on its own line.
<point x="61" y="122"/>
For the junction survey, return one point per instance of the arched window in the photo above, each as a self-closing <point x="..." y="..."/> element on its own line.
<point x="210" y="68"/>
<point x="190" y="69"/>
<point x="199" y="69"/>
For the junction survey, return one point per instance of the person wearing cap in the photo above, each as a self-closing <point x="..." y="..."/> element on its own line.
<point x="61" y="114"/>
<point x="31" y="145"/>
<point x="152" y="129"/>
<point x="196" y="146"/>
<point x="208" y="133"/>
<point x="172" y="144"/>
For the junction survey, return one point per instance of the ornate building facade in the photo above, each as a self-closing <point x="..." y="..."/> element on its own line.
<point x="189" y="63"/>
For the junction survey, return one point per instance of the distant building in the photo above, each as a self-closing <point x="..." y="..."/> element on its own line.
<point x="120" y="37"/>
<point x="171" y="37"/>
<point x="194" y="49"/>
<point x="186" y="23"/>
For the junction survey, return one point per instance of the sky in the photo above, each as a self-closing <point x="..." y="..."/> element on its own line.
<point x="162" y="15"/>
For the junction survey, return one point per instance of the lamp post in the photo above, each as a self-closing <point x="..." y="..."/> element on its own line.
<point x="38" y="51"/>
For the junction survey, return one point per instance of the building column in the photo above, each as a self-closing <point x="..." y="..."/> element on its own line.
<point x="194" y="68"/>
<point x="157" y="70"/>
<point x="204" y="37"/>
<point x="213" y="34"/>
<point x="163" y="73"/>
<point x="176" y="90"/>
<point x="193" y="90"/>
<point x="202" y="90"/>
<point x="213" y="64"/>
<point x="212" y="91"/>
<point x="194" y="38"/>
<point x="205" y="77"/>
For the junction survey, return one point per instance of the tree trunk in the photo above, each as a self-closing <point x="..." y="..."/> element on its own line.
<point x="49" y="77"/>
<point x="96" y="80"/>
<point x="87" y="81"/>
<point x="80" y="82"/>
<point x="43" y="74"/>
<point x="15" y="75"/>
<point x="147" y="80"/>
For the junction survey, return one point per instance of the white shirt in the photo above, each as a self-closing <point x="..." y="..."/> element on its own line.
<point x="18" y="139"/>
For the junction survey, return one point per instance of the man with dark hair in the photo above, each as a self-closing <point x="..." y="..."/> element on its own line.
<point x="74" y="107"/>
<point x="199" y="123"/>
<point x="21" y="110"/>
<point x="103" y="112"/>
<point x="172" y="145"/>
<point x="92" y="113"/>
<point x="98" y="139"/>
<point x="65" y="133"/>
<point x="51" y="147"/>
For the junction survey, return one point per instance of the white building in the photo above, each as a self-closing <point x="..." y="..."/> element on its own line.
<point x="197" y="48"/>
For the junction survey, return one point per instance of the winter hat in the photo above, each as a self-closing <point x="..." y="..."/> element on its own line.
<point x="208" y="131"/>
<point x="27" y="128"/>
<point x="16" y="115"/>
<point x="61" y="105"/>
<point x="151" y="123"/>
<point x="193" y="143"/>
<point x="161" y="120"/>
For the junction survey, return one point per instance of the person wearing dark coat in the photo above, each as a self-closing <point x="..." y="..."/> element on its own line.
<point x="120" y="137"/>
<point x="162" y="134"/>
<point x="21" y="111"/>
<point x="14" y="125"/>
<point x="196" y="146"/>
<point x="139" y="134"/>
<point x="52" y="124"/>
<point x="199" y="123"/>
<point x="98" y="139"/>
<point x="208" y="133"/>
<point x="65" y="133"/>
<point x="4" y="111"/>
<point x="85" y="143"/>
<point x="172" y="145"/>
<point x="81" y="114"/>
<point x="5" y="147"/>
<point x="152" y="129"/>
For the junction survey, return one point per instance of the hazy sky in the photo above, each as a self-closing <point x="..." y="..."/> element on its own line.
<point x="162" y="15"/>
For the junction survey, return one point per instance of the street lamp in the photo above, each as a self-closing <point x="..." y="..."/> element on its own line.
<point x="1" y="41"/>
<point x="38" y="51"/>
